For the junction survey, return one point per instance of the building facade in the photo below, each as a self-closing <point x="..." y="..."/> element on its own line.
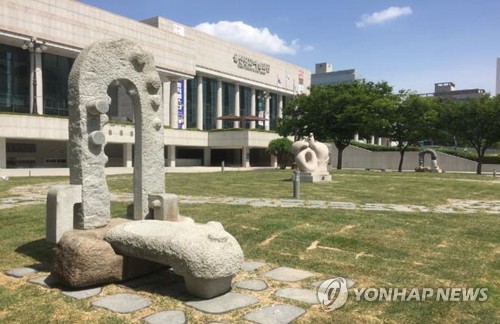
<point x="324" y="75"/>
<point x="206" y="82"/>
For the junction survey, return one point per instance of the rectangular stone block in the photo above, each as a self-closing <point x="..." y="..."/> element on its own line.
<point x="315" y="177"/>
<point x="165" y="206"/>
<point x="60" y="210"/>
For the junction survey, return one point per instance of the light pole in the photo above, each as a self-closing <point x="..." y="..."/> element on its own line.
<point x="34" y="46"/>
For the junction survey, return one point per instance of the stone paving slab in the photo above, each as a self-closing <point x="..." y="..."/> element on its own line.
<point x="262" y="203"/>
<point x="223" y="304"/>
<point x="170" y="317"/>
<point x="35" y="194"/>
<point x="21" y="272"/>
<point x="275" y="314"/>
<point x="122" y="303"/>
<point x="252" y="284"/>
<point x="341" y="205"/>
<point x="299" y="294"/>
<point x="287" y="274"/>
<point x="251" y="265"/>
<point x="46" y="281"/>
<point x="82" y="294"/>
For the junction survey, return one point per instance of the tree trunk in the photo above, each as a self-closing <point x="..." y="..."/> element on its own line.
<point x="401" y="159"/>
<point x="339" y="158"/>
<point x="479" y="165"/>
<point x="480" y="154"/>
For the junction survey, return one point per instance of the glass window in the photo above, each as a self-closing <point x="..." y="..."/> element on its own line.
<point x="55" y="83"/>
<point x="245" y="104"/>
<point x="191" y="102"/>
<point x="14" y="79"/>
<point x="209" y="103"/>
<point x="228" y="90"/>
<point x="273" y="111"/>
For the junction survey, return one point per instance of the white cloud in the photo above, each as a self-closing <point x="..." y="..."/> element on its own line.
<point x="260" y="39"/>
<point x="383" y="16"/>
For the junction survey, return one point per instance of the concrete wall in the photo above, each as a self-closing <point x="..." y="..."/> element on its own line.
<point x="358" y="158"/>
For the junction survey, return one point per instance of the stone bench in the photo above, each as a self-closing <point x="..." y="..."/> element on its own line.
<point x="204" y="254"/>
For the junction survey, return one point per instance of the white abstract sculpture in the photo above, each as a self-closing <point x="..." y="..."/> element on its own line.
<point x="311" y="158"/>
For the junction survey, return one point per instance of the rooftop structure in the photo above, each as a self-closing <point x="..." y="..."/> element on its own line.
<point x="447" y="90"/>
<point x="325" y="74"/>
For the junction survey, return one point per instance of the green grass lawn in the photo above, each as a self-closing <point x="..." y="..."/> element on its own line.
<point x="428" y="189"/>
<point x="375" y="249"/>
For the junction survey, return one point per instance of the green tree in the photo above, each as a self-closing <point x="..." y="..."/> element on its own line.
<point x="411" y="119"/>
<point x="337" y="112"/>
<point x="282" y="149"/>
<point x="475" y="121"/>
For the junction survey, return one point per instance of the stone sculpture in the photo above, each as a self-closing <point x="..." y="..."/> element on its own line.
<point x="421" y="162"/>
<point x="205" y="254"/>
<point x="96" y="68"/>
<point x="311" y="158"/>
<point x="194" y="251"/>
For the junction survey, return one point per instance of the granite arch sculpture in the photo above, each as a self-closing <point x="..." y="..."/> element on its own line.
<point x="421" y="162"/>
<point x="124" y="63"/>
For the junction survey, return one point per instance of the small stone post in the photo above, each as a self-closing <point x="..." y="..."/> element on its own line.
<point x="296" y="184"/>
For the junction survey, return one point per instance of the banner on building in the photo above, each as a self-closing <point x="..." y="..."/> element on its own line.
<point x="180" y="104"/>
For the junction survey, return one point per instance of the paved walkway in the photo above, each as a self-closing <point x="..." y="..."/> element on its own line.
<point x="36" y="194"/>
<point x="262" y="293"/>
<point x="454" y="205"/>
<point x="64" y="172"/>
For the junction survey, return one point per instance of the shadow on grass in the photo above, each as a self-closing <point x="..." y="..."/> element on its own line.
<point x="163" y="282"/>
<point x="40" y="250"/>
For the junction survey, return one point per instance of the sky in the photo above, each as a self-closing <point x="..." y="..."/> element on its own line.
<point x="411" y="44"/>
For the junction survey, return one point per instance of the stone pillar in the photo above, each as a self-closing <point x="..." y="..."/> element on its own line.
<point x="245" y="157"/>
<point x="199" y="104"/>
<point x="171" y="156"/>
<point x="356" y="137"/>
<point x="236" y="104"/>
<point x="3" y="153"/>
<point x="267" y="122"/>
<point x="127" y="155"/>
<point x="252" y="108"/>
<point x="280" y="106"/>
<point x="219" y="103"/>
<point x="379" y="141"/>
<point x="206" y="156"/>
<point x="166" y="102"/>
<point x="173" y="104"/>
<point x="372" y="140"/>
